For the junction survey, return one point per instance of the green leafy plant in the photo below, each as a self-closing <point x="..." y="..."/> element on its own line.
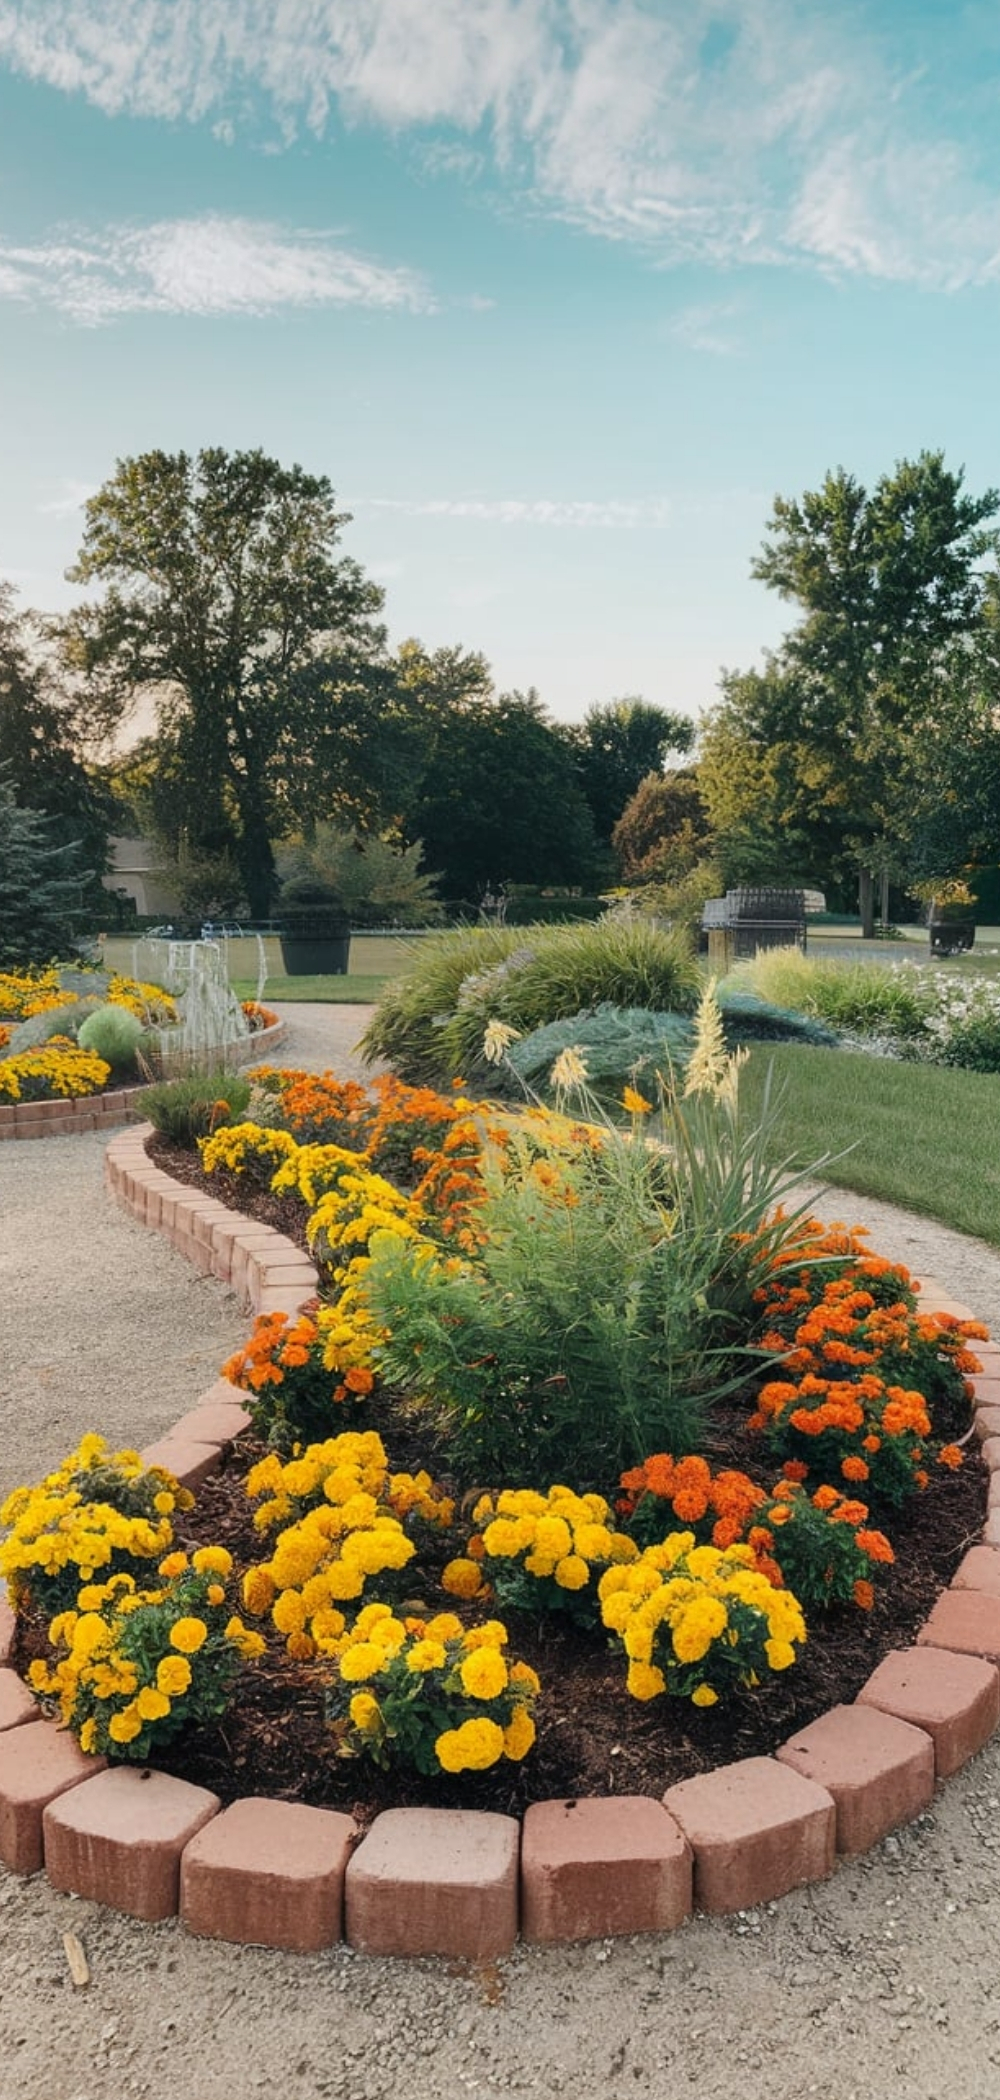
<point x="114" y="1033"/>
<point x="194" y="1105"/>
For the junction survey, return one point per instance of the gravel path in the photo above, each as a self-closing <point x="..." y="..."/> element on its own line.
<point x="878" y="1982"/>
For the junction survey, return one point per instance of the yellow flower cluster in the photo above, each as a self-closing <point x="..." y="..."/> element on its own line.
<point x="246" y="1148"/>
<point x="542" y="1551"/>
<point x="695" y="1619"/>
<point x="97" y="1511"/>
<point x="311" y="1171"/>
<point x="138" y="1664"/>
<point x="149" y="1002"/>
<point x="412" y="1673"/>
<point x="344" y="1220"/>
<point x="27" y="992"/>
<point x="351" y="1529"/>
<point x="59" y="1071"/>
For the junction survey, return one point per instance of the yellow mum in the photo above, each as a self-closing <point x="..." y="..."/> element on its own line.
<point x="472" y="1748"/>
<point x="483" y="1673"/>
<point x="188" y="1635"/>
<point x="173" y="1676"/>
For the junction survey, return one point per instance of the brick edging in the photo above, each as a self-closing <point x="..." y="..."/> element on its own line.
<point x="38" y="1119"/>
<point x="459" y="1882"/>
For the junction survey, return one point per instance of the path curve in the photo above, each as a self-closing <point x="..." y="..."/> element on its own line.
<point x="877" y="1982"/>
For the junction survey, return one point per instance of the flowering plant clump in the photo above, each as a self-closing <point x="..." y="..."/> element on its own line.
<point x="335" y="1471"/>
<point x="864" y="1432"/>
<point x="27" y="992"/>
<point x="430" y="1694"/>
<point x="138" y="1665"/>
<point x="98" y="1512"/>
<point x="246" y="1148"/>
<point x="694" y="1621"/>
<point x="315" y="1108"/>
<point x="258" y="1016"/>
<point x="844" y="1328"/>
<point x="348" y="1533"/>
<point x="149" y="1002"/>
<point x="298" y="1369"/>
<point x="820" y="1545"/>
<point x="344" y="1220"/>
<point x="541" y="1552"/>
<point x="59" y="1071"/>
<point x="664" y="1491"/>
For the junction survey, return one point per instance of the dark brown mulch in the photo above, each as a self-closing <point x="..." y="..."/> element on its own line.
<point x="592" y="1738"/>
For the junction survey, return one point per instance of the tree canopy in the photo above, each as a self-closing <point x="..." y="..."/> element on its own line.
<point x="616" y="745"/>
<point x="832" y="752"/>
<point x="40" y="746"/>
<point x="224" y="598"/>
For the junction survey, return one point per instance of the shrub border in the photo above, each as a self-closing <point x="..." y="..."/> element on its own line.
<point x="446" y="1882"/>
<point x="36" y="1119"/>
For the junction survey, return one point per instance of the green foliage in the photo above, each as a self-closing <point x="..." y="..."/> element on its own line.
<point x="680" y="902"/>
<point x="549" y="973"/>
<point x="406" y="1025"/>
<point x="374" y="880"/>
<point x="866" y="998"/>
<point x="114" y="1033"/>
<point x="40" y="740"/>
<point x="602" y="1317"/>
<point x="190" y="1107"/>
<point x="40" y="885"/>
<point x="746" y="1018"/>
<point x="618" y="744"/>
<point x="661" y="831"/>
<point x="223" y="597"/>
<point x="618" y="1045"/>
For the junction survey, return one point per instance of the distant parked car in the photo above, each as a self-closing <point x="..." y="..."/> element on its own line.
<point x="224" y="930"/>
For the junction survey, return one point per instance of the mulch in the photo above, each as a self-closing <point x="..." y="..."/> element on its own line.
<point x="592" y="1738"/>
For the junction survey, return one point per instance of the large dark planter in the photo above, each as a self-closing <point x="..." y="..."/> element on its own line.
<point x="315" y="947"/>
<point x="952" y="929"/>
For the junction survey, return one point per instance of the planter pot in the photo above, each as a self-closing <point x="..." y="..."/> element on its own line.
<point x="317" y="954"/>
<point x="951" y="936"/>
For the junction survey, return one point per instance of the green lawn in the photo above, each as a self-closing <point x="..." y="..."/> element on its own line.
<point x="329" y="991"/>
<point x="921" y="1136"/>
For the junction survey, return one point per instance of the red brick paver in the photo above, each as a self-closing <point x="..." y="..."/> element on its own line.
<point x="435" y="1881"/>
<point x="956" y="1698"/>
<point x="757" y="1829"/>
<point x="878" y="1769"/>
<point x="119" y="1838"/>
<point x="592" y="1867"/>
<point x="269" y="1874"/>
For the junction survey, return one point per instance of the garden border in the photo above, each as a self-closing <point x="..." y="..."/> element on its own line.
<point x="36" y="1119"/>
<point x="457" y="1882"/>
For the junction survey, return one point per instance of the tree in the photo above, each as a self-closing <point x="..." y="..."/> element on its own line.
<point x="40" y="885"/>
<point x="223" y="596"/>
<point x="499" y="800"/>
<point x="40" y="743"/>
<point x="890" y="591"/>
<point x="661" y="831"/>
<point x="616" y="745"/>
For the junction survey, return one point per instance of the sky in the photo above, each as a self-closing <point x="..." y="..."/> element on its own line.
<point x="558" y="293"/>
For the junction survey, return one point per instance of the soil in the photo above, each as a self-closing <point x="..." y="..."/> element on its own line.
<point x="592" y="1738"/>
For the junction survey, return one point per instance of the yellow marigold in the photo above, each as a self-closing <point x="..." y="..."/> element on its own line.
<point x="173" y="1676"/>
<point x="152" y="1704"/>
<point x="572" y="1573"/>
<point x="426" y="1655"/>
<point x="472" y="1748"/>
<point x="163" y="1503"/>
<point x="645" y="1681"/>
<point x="288" y="1612"/>
<point x="258" y="1591"/>
<point x="519" y="1734"/>
<point x="635" y="1104"/>
<point x="780" y="1654"/>
<point x="361" y="1660"/>
<point x="188" y="1634"/>
<point x="88" y="1736"/>
<point x="522" y="1673"/>
<point x="491" y="1634"/>
<point x="462" y="1578"/>
<point x="174" y="1564"/>
<point x="703" y="1695"/>
<point x="124" y="1727"/>
<point x="212" y="1560"/>
<point x="365" y="1712"/>
<point x="483" y="1673"/>
<point x="445" y="1626"/>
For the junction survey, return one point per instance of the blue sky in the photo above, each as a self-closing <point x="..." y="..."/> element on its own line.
<point x="559" y="293"/>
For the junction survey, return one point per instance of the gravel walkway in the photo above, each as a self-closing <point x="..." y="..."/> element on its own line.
<point x="878" y="1982"/>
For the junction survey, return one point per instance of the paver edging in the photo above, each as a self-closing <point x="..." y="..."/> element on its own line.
<point x="132" y="1177"/>
<point x="36" y="1119"/>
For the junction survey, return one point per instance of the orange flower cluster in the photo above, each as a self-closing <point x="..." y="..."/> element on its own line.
<point x="820" y="1545"/>
<point x="715" y="1506"/>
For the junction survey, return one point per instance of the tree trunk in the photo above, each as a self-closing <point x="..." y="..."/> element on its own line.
<point x="866" y="903"/>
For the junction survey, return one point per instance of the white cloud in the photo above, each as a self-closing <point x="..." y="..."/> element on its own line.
<point x="69" y="497"/>
<point x="209" y="265"/>
<point x="631" y="515"/>
<point x="708" y="329"/>
<point x="716" y="130"/>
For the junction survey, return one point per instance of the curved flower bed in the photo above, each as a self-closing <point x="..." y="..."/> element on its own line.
<point x="452" y="1881"/>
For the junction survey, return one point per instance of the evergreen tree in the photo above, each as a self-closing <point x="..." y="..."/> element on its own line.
<point x="40" y="884"/>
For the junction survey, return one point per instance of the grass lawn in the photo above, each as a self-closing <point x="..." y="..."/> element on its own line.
<point x="924" y="1137"/>
<point x="329" y="991"/>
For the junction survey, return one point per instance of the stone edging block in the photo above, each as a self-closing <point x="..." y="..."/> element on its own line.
<point x="435" y="1881"/>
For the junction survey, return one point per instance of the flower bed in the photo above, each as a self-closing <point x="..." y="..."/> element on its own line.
<point x="515" y="1537"/>
<point x="57" y="1086"/>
